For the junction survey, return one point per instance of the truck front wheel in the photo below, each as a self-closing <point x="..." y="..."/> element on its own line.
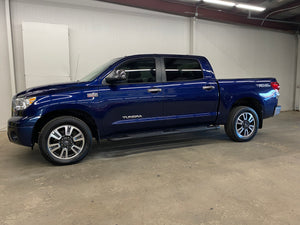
<point x="242" y="124"/>
<point x="65" y="140"/>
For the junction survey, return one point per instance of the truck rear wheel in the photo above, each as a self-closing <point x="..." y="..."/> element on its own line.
<point x="65" y="140"/>
<point x="242" y="124"/>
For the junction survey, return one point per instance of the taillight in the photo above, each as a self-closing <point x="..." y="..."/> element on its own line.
<point x="275" y="85"/>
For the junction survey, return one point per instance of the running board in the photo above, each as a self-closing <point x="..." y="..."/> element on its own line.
<point x="162" y="132"/>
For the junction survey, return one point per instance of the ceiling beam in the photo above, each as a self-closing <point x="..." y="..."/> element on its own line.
<point x="295" y="18"/>
<point x="157" y="5"/>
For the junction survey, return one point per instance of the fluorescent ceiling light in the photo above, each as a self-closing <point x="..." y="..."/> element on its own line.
<point x="250" y="7"/>
<point x="231" y="4"/>
<point x="219" y="2"/>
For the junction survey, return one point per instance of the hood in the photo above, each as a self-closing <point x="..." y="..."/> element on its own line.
<point x="48" y="89"/>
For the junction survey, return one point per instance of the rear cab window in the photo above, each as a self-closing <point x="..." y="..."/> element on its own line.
<point x="181" y="69"/>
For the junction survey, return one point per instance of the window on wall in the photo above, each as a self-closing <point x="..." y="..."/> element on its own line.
<point x="139" y="70"/>
<point x="178" y="69"/>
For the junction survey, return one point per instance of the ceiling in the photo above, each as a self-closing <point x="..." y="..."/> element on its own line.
<point x="279" y="14"/>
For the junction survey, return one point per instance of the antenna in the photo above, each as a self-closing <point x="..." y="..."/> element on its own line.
<point x="78" y="57"/>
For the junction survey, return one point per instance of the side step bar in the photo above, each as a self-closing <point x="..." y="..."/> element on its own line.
<point x="162" y="132"/>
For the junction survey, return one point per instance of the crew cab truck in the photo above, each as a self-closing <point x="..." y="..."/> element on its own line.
<point x="136" y="96"/>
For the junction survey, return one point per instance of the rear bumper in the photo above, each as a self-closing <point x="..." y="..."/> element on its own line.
<point x="20" y="129"/>
<point x="277" y="110"/>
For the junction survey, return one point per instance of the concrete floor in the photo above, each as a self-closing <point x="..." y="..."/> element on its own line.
<point x="199" y="178"/>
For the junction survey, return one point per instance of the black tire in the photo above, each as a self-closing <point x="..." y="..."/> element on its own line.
<point x="65" y="140"/>
<point x="242" y="124"/>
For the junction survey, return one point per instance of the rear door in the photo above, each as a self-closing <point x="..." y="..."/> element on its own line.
<point x="136" y="103"/>
<point x="189" y="98"/>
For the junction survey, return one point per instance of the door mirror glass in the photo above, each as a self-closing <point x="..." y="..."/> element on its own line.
<point x="116" y="76"/>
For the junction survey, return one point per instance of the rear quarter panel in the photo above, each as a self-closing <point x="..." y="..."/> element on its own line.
<point x="232" y="90"/>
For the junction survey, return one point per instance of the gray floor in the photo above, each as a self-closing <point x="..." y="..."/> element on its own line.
<point x="199" y="178"/>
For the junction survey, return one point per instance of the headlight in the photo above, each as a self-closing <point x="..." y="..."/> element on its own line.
<point x="19" y="104"/>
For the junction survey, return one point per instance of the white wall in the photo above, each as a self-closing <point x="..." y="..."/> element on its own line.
<point x="100" y="31"/>
<point x="5" y="88"/>
<point x="236" y="51"/>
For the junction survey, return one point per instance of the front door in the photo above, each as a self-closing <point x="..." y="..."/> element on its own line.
<point x="135" y="103"/>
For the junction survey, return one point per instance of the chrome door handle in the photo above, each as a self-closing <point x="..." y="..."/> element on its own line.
<point x="207" y="88"/>
<point x="154" y="90"/>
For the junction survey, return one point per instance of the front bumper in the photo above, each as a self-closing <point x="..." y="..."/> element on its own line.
<point x="20" y="129"/>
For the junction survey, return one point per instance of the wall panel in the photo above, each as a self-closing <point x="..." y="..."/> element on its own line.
<point x="46" y="53"/>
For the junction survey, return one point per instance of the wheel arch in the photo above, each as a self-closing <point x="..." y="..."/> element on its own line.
<point x="254" y="104"/>
<point x="80" y="114"/>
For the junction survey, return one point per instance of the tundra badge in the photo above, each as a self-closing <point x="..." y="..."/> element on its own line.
<point x="132" y="117"/>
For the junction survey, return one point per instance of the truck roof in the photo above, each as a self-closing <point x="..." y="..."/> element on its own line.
<point x="165" y="55"/>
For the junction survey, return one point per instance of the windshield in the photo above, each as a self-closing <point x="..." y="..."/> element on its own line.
<point x="92" y="75"/>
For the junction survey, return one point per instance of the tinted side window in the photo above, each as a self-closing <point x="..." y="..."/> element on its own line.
<point x="139" y="70"/>
<point x="178" y="69"/>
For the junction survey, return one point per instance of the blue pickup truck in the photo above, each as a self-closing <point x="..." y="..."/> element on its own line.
<point x="137" y="96"/>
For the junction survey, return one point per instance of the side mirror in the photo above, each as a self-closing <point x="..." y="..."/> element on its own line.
<point x="116" y="76"/>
